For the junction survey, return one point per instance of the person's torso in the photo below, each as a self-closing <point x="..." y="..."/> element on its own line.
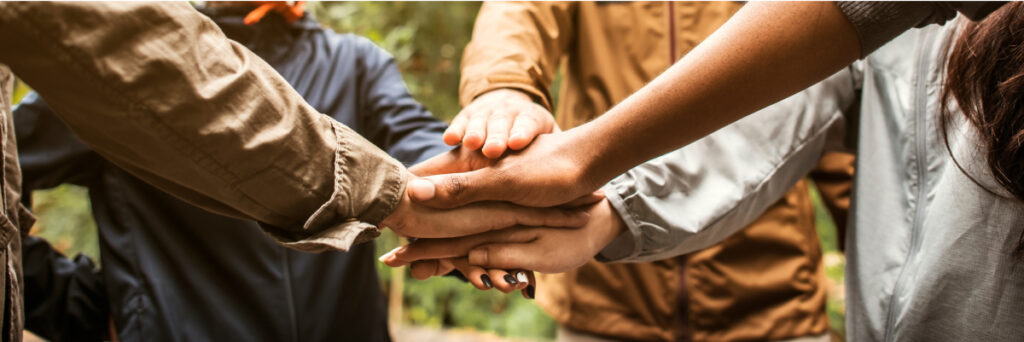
<point x="929" y="254"/>
<point x="618" y="47"/>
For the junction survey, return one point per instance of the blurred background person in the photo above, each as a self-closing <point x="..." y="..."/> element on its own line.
<point x="764" y="283"/>
<point x="180" y="273"/>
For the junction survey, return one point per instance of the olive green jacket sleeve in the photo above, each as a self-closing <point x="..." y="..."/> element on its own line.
<point x="158" y="90"/>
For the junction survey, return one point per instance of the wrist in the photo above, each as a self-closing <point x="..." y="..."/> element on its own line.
<point x="394" y="219"/>
<point x="508" y="94"/>
<point x="590" y="151"/>
<point x="609" y="226"/>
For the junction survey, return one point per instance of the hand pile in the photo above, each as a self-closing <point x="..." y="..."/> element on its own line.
<point x="497" y="215"/>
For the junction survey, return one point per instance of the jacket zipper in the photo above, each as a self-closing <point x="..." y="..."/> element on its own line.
<point x="921" y="129"/>
<point x="671" y="34"/>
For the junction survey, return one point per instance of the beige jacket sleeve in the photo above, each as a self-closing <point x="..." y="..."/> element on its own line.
<point x="157" y="89"/>
<point x="516" y="45"/>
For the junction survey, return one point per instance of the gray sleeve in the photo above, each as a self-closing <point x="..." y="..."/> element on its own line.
<point x="694" y="197"/>
<point x="878" y="22"/>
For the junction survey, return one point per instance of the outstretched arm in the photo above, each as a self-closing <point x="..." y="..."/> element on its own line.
<point x="766" y="52"/>
<point x="684" y="201"/>
<point x="159" y="91"/>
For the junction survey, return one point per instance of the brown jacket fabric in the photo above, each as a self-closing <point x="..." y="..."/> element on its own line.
<point x="766" y="282"/>
<point x="157" y="89"/>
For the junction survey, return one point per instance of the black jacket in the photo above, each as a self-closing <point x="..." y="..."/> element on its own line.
<point x="173" y="272"/>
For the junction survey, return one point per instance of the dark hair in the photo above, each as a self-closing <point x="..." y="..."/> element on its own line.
<point x="985" y="75"/>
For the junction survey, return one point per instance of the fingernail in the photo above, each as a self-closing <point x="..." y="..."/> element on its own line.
<point x="509" y="279"/>
<point x="390" y="255"/>
<point x="486" y="280"/>
<point x="421" y="189"/>
<point x="530" y="291"/>
<point x="521" y="276"/>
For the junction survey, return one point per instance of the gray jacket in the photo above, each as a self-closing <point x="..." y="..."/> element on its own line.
<point x="929" y="252"/>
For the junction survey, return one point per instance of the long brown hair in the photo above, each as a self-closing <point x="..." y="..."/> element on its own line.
<point x="985" y="75"/>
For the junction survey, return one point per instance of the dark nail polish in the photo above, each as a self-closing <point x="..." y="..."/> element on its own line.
<point x="487" y="281"/>
<point x="510" y="279"/>
<point x="530" y="291"/>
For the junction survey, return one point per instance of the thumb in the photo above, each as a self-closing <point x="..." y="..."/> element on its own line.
<point x="456" y="189"/>
<point x="420" y="189"/>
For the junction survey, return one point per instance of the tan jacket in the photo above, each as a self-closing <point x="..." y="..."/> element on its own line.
<point x="765" y="282"/>
<point x="157" y="89"/>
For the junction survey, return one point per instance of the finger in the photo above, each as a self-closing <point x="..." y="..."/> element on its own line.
<point x="457" y="189"/>
<point x="510" y="256"/>
<point x="523" y="130"/>
<point x="453" y="135"/>
<point x="522" y="279"/>
<point x="530" y="291"/>
<point x="449" y="172"/>
<point x="498" y="126"/>
<point x="460" y="159"/>
<point x="420" y="189"/>
<point x="503" y="280"/>
<point x="425" y="249"/>
<point x="487" y="216"/>
<point x="476" y="131"/>
<point x="587" y="199"/>
<point x="422" y="270"/>
<point x="474" y="274"/>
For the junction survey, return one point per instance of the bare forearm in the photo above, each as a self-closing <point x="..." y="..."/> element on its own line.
<point x="765" y="53"/>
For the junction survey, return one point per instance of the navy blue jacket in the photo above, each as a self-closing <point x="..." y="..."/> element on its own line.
<point x="173" y="272"/>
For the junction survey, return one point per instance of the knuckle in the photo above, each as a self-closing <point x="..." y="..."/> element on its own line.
<point x="456" y="186"/>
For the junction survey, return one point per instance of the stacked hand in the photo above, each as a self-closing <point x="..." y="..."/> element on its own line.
<point x="481" y="211"/>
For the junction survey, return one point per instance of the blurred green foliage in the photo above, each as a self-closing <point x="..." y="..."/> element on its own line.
<point x="426" y="39"/>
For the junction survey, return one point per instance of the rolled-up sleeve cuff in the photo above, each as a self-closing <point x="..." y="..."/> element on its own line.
<point x="368" y="187"/>
<point x="627" y="244"/>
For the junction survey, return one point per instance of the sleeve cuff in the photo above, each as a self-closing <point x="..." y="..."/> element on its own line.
<point x="368" y="187"/>
<point x="627" y="244"/>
